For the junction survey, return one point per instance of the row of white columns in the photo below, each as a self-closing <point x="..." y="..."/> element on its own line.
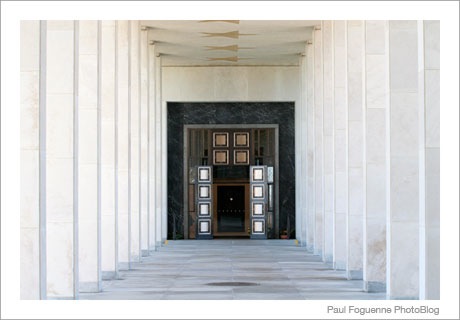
<point x="93" y="172"/>
<point x="91" y="124"/>
<point x="370" y="95"/>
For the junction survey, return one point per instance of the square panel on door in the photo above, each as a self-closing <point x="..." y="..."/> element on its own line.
<point x="204" y="208"/>
<point x="204" y="174"/>
<point x="258" y="209"/>
<point x="204" y="191"/>
<point x="258" y="191"/>
<point x="204" y="226"/>
<point x="258" y="226"/>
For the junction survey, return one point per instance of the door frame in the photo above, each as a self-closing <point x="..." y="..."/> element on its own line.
<point x="230" y="127"/>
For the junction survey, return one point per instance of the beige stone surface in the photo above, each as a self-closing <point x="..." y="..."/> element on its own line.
<point x="375" y="37"/>
<point x="29" y="236"/>
<point x="59" y="257"/>
<point x="403" y="261"/>
<point x="375" y="246"/>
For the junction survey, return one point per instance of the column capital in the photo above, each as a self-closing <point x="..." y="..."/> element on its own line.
<point x="145" y="28"/>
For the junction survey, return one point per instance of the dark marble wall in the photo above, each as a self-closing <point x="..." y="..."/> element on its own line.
<point x="180" y="114"/>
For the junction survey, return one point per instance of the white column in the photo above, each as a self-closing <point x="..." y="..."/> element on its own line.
<point x="298" y="162"/>
<point x="144" y="143"/>
<point x="377" y="102"/>
<point x="33" y="273"/>
<point x="340" y="145"/>
<point x="135" y="250"/>
<point x="164" y="149"/>
<point x="319" y="173"/>
<point x="62" y="274"/>
<point x="123" y="142"/>
<point x="328" y="130"/>
<point x="161" y="186"/>
<point x="108" y="203"/>
<point x="154" y="152"/>
<point x="89" y="244"/>
<point x="403" y="164"/>
<point x="429" y="170"/>
<point x="301" y="156"/>
<point x="304" y="148"/>
<point x="310" y="147"/>
<point x="355" y="70"/>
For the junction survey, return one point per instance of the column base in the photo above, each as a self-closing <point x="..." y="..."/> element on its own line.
<point x="109" y="275"/>
<point x="88" y="287"/>
<point x="318" y="252"/>
<point x="123" y="266"/>
<point x="302" y="244"/>
<point x="145" y="253"/>
<point x="328" y="259"/>
<point x="375" y="286"/>
<point x="60" y="298"/>
<point x="389" y="297"/>
<point x="355" y="275"/>
<point x="340" y="265"/>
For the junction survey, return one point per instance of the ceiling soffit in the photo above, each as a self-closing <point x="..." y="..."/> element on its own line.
<point x="229" y="42"/>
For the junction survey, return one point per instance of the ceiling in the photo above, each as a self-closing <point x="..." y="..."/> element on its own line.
<point x="229" y="42"/>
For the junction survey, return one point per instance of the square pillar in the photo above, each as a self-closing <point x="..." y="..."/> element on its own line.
<point x="155" y="184"/>
<point x="88" y="157"/>
<point x="33" y="250"/>
<point x="377" y="103"/>
<point x="318" y="154"/>
<point x="134" y="142"/>
<point x="328" y="130"/>
<point x="340" y="145"/>
<point x="122" y="140"/>
<point x="108" y="141"/>
<point x="161" y="154"/>
<point x="310" y="148"/>
<point x="144" y="143"/>
<point x="355" y="70"/>
<point x="61" y="180"/>
<point x="301" y="165"/>
<point x="429" y="152"/>
<point x="164" y="147"/>
<point x="403" y="163"/>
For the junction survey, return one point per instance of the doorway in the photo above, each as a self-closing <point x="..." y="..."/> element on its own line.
<point x="231" y="214"/>
<point x="218" y="197"/>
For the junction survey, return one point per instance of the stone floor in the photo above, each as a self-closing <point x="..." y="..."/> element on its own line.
<point x="232" y="270"/>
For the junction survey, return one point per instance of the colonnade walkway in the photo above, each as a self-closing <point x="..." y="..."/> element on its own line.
<point x="232" y="269"/>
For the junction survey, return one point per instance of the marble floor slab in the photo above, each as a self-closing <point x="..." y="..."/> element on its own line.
<point x="231" y="270"/>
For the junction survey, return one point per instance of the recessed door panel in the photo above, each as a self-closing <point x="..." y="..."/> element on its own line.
<point x="258" y="201"/>
<point x="204" y="202"/>
<point x="231" y="208"/>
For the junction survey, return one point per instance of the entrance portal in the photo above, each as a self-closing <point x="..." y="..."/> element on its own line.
<point x="229" y="138"/>
<point x="232" y="188"/>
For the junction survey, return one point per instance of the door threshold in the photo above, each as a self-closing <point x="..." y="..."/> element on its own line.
<point x="231" y="237"/>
